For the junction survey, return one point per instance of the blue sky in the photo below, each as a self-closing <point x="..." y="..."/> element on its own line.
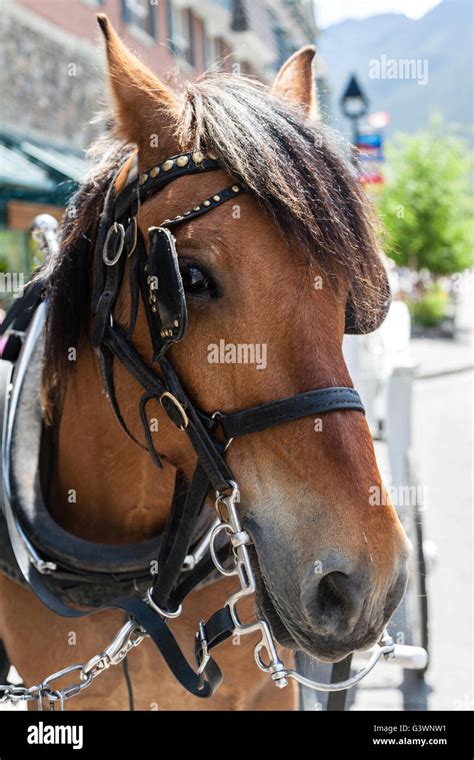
<point x="331" y="11"/>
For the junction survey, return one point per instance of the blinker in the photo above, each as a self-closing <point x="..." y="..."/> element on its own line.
<point x="166" y="303"/>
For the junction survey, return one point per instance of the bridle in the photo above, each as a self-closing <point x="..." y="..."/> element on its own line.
<point x="155" y="279"/>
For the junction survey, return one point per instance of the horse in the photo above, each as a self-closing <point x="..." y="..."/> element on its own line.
<point x="285" y="267"/>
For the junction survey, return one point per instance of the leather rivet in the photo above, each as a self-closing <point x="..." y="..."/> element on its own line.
<point x="186" y="213"/>
<point x="143" y="178"/>
<point x="212" y="156"/>
<point x="153" y="308"/>
<point x="197" y="208"/>
<point x="168" y="165"/>
<point x="198" y="157"/>
<point x="235" y="188"/>
<point x="176" y="323"/>
<point x="216" y="198"/>
<point x="155" y="171"/>
<point x="206" y="203"/>
<point x="177" y="218"/>
<point x="163" y="333"/>
<point x="182" y="161"/>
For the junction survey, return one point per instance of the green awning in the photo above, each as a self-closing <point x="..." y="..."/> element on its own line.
<point x="67" y="164"/>
<point x="17" y="171"/>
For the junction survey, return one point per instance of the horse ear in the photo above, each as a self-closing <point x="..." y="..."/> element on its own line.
<point x="295" y="82"/>
<point x="141" y="101"/>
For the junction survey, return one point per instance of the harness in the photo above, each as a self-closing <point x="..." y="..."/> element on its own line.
<point x="64" y="570"/>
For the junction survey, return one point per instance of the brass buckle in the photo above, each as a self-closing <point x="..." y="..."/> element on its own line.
<point x="177" y="406"/>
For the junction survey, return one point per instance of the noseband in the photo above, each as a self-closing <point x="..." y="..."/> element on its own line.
<point x="155" y="279"/>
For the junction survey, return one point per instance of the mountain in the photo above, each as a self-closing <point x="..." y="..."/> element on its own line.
<point x="440" y="48"/>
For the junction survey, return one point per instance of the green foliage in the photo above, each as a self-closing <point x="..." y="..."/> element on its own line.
<point x="429" y="309"/>
<point x="426" y="206"/>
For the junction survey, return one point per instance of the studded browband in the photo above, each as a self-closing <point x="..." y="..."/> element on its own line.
<point x="140" y="187"/>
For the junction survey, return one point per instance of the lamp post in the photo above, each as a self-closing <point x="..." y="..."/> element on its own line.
<point x="354" y="105"/>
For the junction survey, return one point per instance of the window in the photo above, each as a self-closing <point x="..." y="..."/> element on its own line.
<point x="181" y="32"/>
<point x="189" y="52"/>
<point x="221" y="52"/>
<point x="141" y="14"/>
<point x="215" y="52"/>
<point x="209" y="51"/>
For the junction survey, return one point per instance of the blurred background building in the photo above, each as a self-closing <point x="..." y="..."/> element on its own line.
<point x="51" y="78"/>
<point x="413" y="149"/>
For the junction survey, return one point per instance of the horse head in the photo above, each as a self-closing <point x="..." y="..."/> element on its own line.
<point x="272" y="281"/>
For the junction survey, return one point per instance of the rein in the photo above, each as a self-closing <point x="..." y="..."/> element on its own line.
<point x="155" y="278"/>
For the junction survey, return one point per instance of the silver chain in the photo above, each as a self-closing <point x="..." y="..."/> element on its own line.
<point x="127" y="638"/>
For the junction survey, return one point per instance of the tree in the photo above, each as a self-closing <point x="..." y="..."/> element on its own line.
<point x="426" y="205"/>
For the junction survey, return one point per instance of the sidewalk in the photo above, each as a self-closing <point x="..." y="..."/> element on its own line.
<point x="434" y="357"/>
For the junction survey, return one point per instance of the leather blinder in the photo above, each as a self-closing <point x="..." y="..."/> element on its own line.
<point x="165" y="295"/>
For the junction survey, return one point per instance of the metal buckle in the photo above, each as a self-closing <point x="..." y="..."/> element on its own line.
<point x="218" y="416"/>
<point x="201" y="636"/>
<point x="163" y="613"/>
<point x="177" y="406"/>
<point x="117" y="229"/>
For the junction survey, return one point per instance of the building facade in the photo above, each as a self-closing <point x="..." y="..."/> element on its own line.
<point x="52" y="74"/>
<point x="52" y="69"/>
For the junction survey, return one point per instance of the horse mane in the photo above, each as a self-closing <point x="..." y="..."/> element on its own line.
<point x="66" y="275"/>
<point x="289" y="162"/>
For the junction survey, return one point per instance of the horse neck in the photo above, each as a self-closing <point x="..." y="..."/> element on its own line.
<point x="105" y="487"/>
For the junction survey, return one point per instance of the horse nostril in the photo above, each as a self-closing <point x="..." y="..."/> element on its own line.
<point x="334" y="592"/>
<point x="333" y="601"/>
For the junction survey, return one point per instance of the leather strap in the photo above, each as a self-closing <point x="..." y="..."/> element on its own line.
<point x="177" y="538"/>
<point x="340" y="671"/>
<point x="20" y="311"/>
<point x="227" y="194"/>
<point x="151" y="182"/>
<point x="274" y="413"/>
<point x="201" y="572"/>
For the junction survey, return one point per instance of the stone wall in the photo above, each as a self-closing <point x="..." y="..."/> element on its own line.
<point x="50" y="87"/>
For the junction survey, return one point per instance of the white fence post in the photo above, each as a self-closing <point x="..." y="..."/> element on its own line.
<point x="399" y="421"/>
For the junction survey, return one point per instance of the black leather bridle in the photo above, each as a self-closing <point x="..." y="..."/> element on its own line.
<point x="120" y="238"/>
<point x="155" y="279"/>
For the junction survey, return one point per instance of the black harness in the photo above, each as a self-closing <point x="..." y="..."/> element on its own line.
<point x="154" y="277"/>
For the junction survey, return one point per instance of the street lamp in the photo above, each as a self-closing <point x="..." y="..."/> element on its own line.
<point x="354" y="105"/>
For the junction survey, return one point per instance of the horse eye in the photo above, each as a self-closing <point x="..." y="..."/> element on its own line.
<point x="195" y="281"/>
